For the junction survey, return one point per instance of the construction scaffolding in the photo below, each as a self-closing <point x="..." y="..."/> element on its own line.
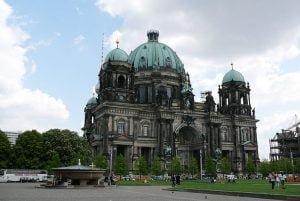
<point x="286" y="144"/>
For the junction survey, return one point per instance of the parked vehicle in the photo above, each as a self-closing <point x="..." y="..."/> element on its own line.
<point x="22" y="175"/>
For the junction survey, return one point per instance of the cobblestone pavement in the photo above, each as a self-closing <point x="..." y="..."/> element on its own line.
<point x="28" y="192"/>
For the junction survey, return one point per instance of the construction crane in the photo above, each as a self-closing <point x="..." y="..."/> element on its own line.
<point x="297" y="123"/>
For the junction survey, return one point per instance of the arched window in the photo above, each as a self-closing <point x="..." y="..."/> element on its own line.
<point x="121" y="82"/>
<point x="142" y="62"/>
<point x="145" y="130"/>
<point x="93" y="119"/>
<point x="121" y="126"/>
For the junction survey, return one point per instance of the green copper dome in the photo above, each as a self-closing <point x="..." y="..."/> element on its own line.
<point x="154" y="55"/>
<point x="116" y="55"/>
<point x="233" y="75"/>
<point x="92" y="101"/>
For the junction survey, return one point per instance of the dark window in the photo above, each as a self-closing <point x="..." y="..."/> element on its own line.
<point x="149" y="94"/>
<point x="121" y="82"/>
<point x="142" y="94"/>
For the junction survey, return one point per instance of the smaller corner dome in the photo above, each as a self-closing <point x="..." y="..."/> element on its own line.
<point x="92" y="101"/>
<point x="116" y="55"/>
<point x="233" y="75"/>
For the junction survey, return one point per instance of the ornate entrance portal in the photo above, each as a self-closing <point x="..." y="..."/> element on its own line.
<point x="188" y="145"/>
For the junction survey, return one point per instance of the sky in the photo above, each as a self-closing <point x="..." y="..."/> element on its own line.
<point x="50" y="54"/>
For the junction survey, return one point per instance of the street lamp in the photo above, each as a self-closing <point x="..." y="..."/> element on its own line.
<point x="200" y="164"/>
<point x="112" y="149"/>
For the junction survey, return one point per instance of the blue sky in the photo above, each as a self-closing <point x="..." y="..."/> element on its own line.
<point x="51" y="52"/>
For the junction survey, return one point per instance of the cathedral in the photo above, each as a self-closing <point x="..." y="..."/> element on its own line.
<point x="145" y="106"/>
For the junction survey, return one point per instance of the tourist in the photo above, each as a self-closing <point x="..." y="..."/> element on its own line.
<point x="282" y="180"/>
<point x="173" y="180"/>
<point x="272" y="179"/>
<point x="277" y="180"/>
<point x="177" y="178"/>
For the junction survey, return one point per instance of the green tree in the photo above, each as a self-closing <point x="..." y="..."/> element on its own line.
<point x="141" y="166"/>
<point x="274" y="166"/>
<point x="264" y="168"/>
<point x="157" y="166"/>
<point x="285" y="165"/>
<point x="225" y="166"/>
<point x="250" y="167"/>
<point x="5" y="150"/>
<point x="175" y="168"/>
<point x="193" y="167"/>
<point x="54" y="162"/>
<point x="69" y="146"/>
<point x="121" y="166"/>
<point x="297" y="166"/>
<point x="29" y="150"/>
<point x="210" y="166"/>
<point x="100" y="161"/>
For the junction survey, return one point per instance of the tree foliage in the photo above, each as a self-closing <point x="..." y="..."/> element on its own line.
<point x="264" y="168"/>
<point x="68" y="145"/>
<point x="54" y="162"/>
<point x="5" y="150"/>
<point x="250" y="167"/>
<point x="193" y="167"/>
<point x="100" y="161"/>
<point x="29" y="150"/>
<point x="175" y="168"/>
<point x="225" y="166"/>
<point x="210" y="166"/>
<point x="141" y="166"/>
<point x="121" y="166"/>
<point x="157" y="166"/>
<point x="274" y="166"/>
<point x="297" y="166"/>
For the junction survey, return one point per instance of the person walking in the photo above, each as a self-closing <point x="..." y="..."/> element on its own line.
<point x="272" y="179"/>
<point x="282" y="180"/>
<point x="177" y="178"/>
<point x="173" y="180"/>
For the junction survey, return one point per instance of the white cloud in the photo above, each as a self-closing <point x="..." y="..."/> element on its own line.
<point x="78" y="42"/>
<point x="22" y="108"/>
<point x="257" y="36"/>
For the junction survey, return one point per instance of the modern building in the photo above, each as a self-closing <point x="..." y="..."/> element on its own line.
<point x="145" y="106"/>
<point x="12" y="136"/>
<point x="286" y="144"/>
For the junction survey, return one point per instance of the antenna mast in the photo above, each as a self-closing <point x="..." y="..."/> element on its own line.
<point x="102" y="48"/>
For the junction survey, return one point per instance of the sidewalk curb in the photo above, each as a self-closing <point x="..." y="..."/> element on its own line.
<point x="240" y="194"/>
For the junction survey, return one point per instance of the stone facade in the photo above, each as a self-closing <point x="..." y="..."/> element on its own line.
<point x="150" y="111"/>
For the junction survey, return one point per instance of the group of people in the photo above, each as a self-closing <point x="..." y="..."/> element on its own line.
<point x="175" y="180"/>
<point x="277" y="179"/>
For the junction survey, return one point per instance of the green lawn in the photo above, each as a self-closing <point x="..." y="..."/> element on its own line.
<point x="255" y="186"/>
<point x="142" y="183"/>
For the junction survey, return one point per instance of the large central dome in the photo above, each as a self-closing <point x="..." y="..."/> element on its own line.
<point x="154" y="55"/>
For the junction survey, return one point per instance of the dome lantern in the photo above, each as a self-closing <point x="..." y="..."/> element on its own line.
<point x="153" y="35"/>
<point x="155" y="56"/>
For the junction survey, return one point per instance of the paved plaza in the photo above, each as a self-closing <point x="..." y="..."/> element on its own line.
<point x="28" y="192"/>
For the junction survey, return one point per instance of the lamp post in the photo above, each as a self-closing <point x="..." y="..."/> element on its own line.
<point x="200" y="164"/>
<point x="292" y="162"/>
<point x="110" y="161"/>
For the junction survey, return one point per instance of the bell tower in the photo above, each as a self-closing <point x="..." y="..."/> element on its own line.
<point x="234" y="94"/>
<point x="116" y="78"/>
